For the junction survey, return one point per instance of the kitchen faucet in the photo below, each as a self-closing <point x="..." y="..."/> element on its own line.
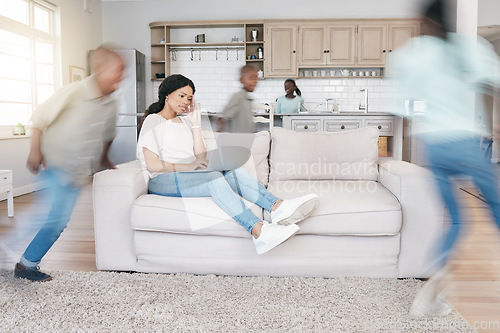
<point x="365" y="106"/>
<point x="326" y="104"/>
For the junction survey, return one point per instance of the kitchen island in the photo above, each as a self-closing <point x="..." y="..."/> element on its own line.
<point x="390" y="126"/>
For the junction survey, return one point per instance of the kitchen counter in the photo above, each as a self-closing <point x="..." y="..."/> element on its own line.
<point x="334" y="114"/>
<point x="389" y="125"/>
<point x="309" y="114"/>
<point x="216" y="114"/>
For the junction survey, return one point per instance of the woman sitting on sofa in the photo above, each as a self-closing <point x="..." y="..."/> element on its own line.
<point x="169" y="145"/>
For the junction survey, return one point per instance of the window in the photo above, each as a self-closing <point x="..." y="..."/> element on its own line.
<point x="28" y="66"/>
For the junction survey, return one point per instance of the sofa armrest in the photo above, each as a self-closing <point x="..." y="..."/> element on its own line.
<point x="423" y="214"/>
<point x="114" y="192"/>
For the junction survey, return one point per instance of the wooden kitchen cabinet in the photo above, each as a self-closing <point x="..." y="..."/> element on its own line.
<point x="312" y="45"/>
<point x="326" y="45"/>
<point x="353" y="43"/>
<point x="348" y="44"/>
<point x="399" y="33"/>
<point x="281" y="50"/>
<point x="377" y="41"/>
<point x="371" y="44"/>
<point x="288" y="45"/>
<point x="342" y="48"/>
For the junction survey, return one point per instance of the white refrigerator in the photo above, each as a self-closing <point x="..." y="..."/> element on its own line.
<point x="131" y="105"/>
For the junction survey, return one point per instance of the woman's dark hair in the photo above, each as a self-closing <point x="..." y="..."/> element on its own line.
<point x="297" y="90"/>
<point x="168" y="86"/>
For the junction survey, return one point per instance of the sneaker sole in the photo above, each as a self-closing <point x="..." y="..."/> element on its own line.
<point x="301" y="213"/>
<point x="285" y="235"/>
<point x="24" y="277"/>
<point x="19" y="274"/>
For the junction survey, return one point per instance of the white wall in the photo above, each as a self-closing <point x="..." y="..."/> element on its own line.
<point x="80" y="32"/>
<point x="488" y="12"/>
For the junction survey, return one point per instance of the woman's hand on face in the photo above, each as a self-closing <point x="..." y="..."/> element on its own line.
<point x="192" y="114"/>
<point x="199" y="164"/>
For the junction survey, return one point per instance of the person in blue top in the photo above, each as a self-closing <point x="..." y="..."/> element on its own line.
<point x="443" y="69"/>
<point x="290" y="102"/>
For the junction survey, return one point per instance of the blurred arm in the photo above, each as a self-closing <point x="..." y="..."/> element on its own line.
<point x="104" y="160"/>
<point x="35" y="158"/>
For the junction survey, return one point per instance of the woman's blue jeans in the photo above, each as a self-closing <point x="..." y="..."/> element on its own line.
<point x="461" y="157"/>
<point x="221" y="187"/>
<point x="62" y="196"/>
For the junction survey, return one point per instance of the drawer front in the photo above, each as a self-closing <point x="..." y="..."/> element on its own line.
<point x="386" y="126"/>
<point x="306" y="125"/>
<point x="5" y="177"/>
<point x="339" y="125"/>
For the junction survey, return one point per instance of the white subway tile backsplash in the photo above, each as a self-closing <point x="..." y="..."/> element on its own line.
<point x="216" y="78"/>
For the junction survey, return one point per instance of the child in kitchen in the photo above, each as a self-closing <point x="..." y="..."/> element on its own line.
<point x="236" y="117"/>
<point x="71" y="130"/>
<point x="292" y="101"/>
<point x="170" y="145"/>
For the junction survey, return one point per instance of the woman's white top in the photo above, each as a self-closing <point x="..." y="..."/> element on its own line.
<point x="171" y="141"/>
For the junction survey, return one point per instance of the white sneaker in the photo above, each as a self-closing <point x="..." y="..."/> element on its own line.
<point x="292" y="211"/>
<point x="272" y="235"/>
<point x="438" y="307"/>
<point x="429" y="301"/>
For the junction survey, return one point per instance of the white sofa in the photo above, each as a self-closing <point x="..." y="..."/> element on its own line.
<point x="375" y="218"/>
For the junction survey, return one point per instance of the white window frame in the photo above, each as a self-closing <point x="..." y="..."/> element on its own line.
<point x="29" y="30"/>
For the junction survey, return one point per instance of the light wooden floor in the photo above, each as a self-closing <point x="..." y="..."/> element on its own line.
<point x="475" y="279"/>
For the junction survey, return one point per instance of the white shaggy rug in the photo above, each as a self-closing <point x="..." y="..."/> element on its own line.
<point x="122" y="302"/>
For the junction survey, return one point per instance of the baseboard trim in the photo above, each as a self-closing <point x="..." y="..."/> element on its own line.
<point x="29" y="188"/>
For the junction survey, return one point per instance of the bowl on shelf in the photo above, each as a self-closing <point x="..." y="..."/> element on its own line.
<point x="160" y="75"/>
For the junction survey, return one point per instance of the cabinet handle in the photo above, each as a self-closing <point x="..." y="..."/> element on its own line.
<point x="293" y="51"/>
<point x="327" y="51"/>
<point x="306" y="127"/>
<point x="342" y="127"/>
<point x="383" y="51"/>
<point x="379" y="127"/>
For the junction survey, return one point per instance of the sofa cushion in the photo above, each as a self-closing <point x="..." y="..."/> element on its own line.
<point x="202" y="216"/>
<point x="364" y="208"/>
<point x="348" y="155"/>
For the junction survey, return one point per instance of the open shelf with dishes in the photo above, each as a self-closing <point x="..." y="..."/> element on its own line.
<point x="317" y="72"/>
<point x="167" y="37"/>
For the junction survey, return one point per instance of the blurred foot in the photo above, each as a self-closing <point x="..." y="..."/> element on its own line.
<point x="429" y="301"/>
<point x="32" y="274"/>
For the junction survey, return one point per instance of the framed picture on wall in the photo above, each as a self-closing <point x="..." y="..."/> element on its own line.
<point x="76" y="73"/>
